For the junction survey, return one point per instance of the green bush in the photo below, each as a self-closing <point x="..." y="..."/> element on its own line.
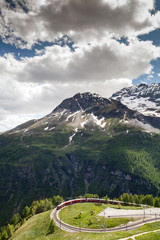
<point x="79" y="216"/>
<point x="98" y="204"/>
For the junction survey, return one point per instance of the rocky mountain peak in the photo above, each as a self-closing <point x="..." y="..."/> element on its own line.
<point x="81" y="101"/>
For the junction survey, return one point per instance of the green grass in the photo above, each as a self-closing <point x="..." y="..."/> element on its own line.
<point x="149" y="236"/>
<point x="36" y="228"/>
<point x="86" y="216"/>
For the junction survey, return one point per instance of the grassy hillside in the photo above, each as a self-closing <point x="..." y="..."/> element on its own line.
<point x="36" y="228"/>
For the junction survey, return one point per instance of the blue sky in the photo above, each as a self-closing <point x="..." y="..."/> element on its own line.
<point x="50" y="50"/>
<point x="153" y="36"/>
<point x="21" y="53"/>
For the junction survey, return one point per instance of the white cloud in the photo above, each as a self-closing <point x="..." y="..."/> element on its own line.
<point x="150" y="76"/>
<point x="80" y="19"/>
<point x="97" y="63"/>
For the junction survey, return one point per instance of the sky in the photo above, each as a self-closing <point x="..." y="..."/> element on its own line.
<point x="52" y="49"/>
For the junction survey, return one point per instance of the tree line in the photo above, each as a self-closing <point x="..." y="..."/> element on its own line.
<point x="140" y="199"/>
<point x="36" y="207"/>
<point x="147" y="199"/>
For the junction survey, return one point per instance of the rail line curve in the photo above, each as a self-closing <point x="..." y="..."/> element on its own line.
<point x="68" y="228"/>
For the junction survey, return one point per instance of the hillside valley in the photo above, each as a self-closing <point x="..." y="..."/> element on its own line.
<point x="86" y="144"/>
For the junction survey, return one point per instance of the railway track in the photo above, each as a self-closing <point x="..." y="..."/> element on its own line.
<point x="127" y="227"/>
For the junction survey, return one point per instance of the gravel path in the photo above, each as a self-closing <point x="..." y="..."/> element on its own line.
<point x="112" y="212"/>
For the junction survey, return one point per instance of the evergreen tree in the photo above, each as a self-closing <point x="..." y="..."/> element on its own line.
<point x="106" y="198"/>
<point x="48" y="204"/>
<point x="148" y="199"/>
<point x="130" y="198"/>
<point x="125" y="198"/>
<point x="9" y="230"/>
<point x="26" y="212"/>
<point x="15" y="219"/>
<point x="57" y="200"/>
<point x="156" y="202"/>
<point x="51" y="227"/>
<point x="136" y="199"/>
<point x="4" y="236"/>
<point x="140" y="197"/>
<point x="90" y="195"/>
<point x="34" y="207"/>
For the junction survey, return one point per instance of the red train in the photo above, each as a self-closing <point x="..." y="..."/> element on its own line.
<point x="83" y="200"/>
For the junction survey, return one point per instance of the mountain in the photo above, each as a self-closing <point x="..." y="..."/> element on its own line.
<point x="143" y="98"/>
<point x="86" y="144"/>
<point x="84" y="110"/>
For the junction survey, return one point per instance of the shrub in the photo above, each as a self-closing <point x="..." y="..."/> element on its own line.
<point x="98" y="204"/>
<point x="90" y="222"/>
<point x="79" y="216"/>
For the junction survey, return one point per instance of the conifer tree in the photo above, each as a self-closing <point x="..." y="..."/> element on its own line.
<point x="51" y="227"/>
<point x="9" y="230"/>
<point x="156" y="202"/>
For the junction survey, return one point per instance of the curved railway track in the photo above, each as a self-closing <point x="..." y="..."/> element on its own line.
<point x="68" y="228"/>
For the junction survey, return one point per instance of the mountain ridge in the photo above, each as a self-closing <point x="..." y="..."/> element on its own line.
<point x="89" y="108"/>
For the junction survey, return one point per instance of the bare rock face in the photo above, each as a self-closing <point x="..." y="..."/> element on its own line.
<point x="82" y="102"/>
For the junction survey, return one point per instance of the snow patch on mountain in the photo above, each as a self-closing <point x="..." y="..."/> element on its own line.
<point x="83" y="123"/>
<point x="143" y="98"/>
<point x="71" y="137"/>
<point x="51" y="128"/>
<point x="71" y="115"/>
<point x="61" y="114"/>
<point x="99" y="122"/>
